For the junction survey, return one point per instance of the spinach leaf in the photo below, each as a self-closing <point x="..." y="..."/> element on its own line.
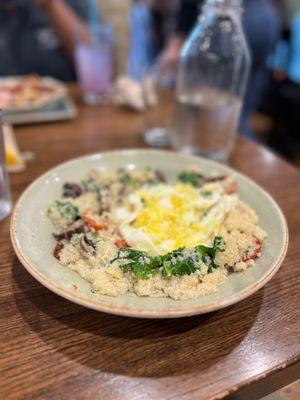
<point x="206" y="193"/>
<point x="125" y="178"/>
<point x="67" y="210"/>
<point x="138" y="262"/>
<point x="208" y="254"/>
<point x="193" y="178"/>
<point x="91" y="186"/>
<point x="179" y="262"/>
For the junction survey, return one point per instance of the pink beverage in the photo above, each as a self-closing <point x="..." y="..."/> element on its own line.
<point x="5" y="197"/>
<point x="94" y="69"/>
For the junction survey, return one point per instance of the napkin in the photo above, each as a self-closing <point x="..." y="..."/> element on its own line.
<point x="137" y="95"/>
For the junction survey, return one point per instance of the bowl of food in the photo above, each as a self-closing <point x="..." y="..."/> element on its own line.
<point x="149" y="233"/>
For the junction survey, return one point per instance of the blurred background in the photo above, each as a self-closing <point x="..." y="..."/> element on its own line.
<point x="39" y="36"/>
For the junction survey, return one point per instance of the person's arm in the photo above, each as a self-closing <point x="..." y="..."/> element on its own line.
<point x="186" y="18"/>
<point x="64" y="21"/>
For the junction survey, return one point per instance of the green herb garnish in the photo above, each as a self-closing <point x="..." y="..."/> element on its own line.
<point x="179" y="262"/>
<point x="67" y="210"/>
<point x="138" y="262"/>
<point x="125" y="178"/>
<point x="91" y="186"/>
<point x="205" y="193"/>
<point x="193" y="178"/>
<point x="208" y="254"/>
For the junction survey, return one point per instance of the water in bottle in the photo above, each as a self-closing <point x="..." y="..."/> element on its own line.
<point x="211" y="81"/>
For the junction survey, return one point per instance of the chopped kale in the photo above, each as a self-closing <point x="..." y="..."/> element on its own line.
<point x="178" y="262"/>
<point x="123" y="176"/>
<point x="209" y="253"/>
<point x="205" y="193"/>
<point x="67" y="210"/>
<point x="127" y="180"/>
<point x="138" y="262"/>
<point x="193" y="178"/>
<point x="91" y="186"/>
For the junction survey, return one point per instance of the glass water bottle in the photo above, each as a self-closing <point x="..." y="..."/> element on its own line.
<point x="211" y="82"/>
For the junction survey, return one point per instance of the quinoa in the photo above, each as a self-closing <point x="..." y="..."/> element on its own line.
<point x="94" y="251"/>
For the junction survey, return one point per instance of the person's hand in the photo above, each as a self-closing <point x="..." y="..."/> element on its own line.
<point x="44" y="4"/>
<point x="169" y="57"/>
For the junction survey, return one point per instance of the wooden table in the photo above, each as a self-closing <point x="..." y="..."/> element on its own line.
<point x="53" y="349"/>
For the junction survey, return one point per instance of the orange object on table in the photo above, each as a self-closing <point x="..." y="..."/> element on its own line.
<point x="14" y="159"/>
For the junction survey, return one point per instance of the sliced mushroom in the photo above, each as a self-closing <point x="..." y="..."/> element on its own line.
<point x="160" y="176"/>
<point x="228" y="183"/>
<point x="57" y="249"/>
<point x="69" y="231"/>
<point x="72" y="190"/>
<point x="215" y="179"/>
<point x="88" y="246"/>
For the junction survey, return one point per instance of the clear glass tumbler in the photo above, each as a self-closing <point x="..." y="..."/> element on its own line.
<point x="5" y="197"/>
<point x="94" y="62"/>
<point x="159" y="100"/>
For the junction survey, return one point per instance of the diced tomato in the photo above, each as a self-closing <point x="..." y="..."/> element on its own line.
<point x="231" y="190"/>
<point x="90" y="221"/>
<point x="121" y="243"/>
<point x="230" y="185"/>
<point x="255" y="253"/>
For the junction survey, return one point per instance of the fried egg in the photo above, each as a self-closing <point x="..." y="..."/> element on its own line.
<point x="162" y="218"/>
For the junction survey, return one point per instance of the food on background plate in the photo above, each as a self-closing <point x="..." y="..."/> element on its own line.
<point x="129" y="230"/>
<point x="26" y="91"/>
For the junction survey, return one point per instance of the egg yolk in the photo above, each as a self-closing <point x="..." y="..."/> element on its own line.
<point x="173" y="214"/>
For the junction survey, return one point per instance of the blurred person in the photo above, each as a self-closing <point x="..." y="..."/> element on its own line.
<point x="116" y="13"/>
<point x="36" y="36"/>
<point x="282" y="99"/>
<point x="164" y="15"/>
<point x="262" y="25"/>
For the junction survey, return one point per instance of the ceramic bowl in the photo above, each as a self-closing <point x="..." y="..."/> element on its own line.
<point x="31" y="234"/>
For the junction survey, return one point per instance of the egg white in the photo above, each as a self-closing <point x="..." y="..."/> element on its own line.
<point x="215" y="207"/>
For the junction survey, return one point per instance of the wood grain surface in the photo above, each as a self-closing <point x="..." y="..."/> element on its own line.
<point x="290" y="392"/>
<point x="53" y="349"/>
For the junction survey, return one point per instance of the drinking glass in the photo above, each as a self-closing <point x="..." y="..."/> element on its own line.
<point x="94" y="64"/>
<point x="158" y="95"/>
<point x="5" y="197"/>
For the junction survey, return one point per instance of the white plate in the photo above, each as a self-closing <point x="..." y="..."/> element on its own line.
<point x="59" y="92"/>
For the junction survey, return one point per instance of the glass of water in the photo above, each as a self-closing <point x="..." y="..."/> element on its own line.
<point x="94" y="64"/>
<point x="5" y="197"/>
<point x="158" y="87"/>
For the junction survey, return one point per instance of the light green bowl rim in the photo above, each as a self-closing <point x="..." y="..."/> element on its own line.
<point x="136" y="312"/>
